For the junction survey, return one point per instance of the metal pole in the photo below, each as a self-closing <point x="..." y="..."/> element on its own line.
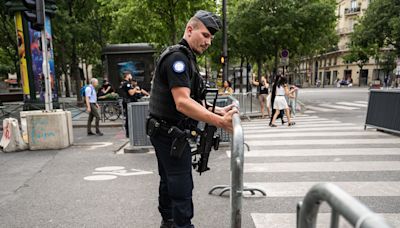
<point x="237" y="160"/>
<point x="225" y="42"/>
<point x="45" y="66"/>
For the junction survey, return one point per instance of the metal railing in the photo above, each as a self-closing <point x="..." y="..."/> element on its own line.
<point x="356" y="213"/>
<point x="237" y="162"/>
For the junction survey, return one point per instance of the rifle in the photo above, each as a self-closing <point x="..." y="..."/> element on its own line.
<point x="207" y="140"/>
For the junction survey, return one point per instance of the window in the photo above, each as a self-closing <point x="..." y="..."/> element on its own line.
<point x="353" y="4"/>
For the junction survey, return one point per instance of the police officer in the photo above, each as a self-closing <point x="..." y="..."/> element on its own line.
<point x="176" y="101"/>
<point x="128" y="93"/>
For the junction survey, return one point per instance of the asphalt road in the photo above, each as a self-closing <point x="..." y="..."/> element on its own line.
<point x="91" y="185"/>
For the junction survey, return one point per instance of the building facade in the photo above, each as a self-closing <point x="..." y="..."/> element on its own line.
<point x="327" y="68"/>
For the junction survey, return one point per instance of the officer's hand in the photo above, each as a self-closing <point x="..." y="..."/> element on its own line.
<point x="227" y="120"/>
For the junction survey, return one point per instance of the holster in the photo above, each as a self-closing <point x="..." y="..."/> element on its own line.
<point x="154" y="127"/>
<point x="179" y="143"/>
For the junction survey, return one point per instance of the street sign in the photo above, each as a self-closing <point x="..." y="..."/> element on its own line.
<point x="285" y="57"/>
<point x="285" y="53"/>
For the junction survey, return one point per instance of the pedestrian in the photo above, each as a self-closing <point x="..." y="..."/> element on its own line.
<point x="128" y="94"/>
<point x="263" y="96"/>
<point x="280" y="100"/>
<point x="226" y="89"/>
<point x="92" y="107"/>
<point x="271" y="98"/>
<point x="176" y="101"/>
<point x="292" y="100"/>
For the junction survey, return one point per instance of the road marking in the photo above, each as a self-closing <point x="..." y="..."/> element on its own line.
<point x="288" y="220"/>
<point x="319" y="152"/>
<point x="100" y="177"/>
<point x="352" y="104"/>
<point x="309" y="112"/>
<point x="300" y="189"/>
<point x="319" y="109"/>
<point x="314" y="134"/>
<point x="112" y="172"/>
<point x="290" y="129"/>
<point x="362" y="102"/>
<point x="301" y="126"/>
<point x="338" y="107"/>
<point x="348" y="141"/>
<point x="322" y="166"/>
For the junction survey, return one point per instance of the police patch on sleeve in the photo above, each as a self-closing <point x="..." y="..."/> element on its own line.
<point x="179" y="67"/>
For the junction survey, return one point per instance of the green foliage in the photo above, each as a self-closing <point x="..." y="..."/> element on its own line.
<point x="358" y="55"/>
<point x="380" y="25"/>
<point x="260" y="29"/>
<point x="8" y="43"/>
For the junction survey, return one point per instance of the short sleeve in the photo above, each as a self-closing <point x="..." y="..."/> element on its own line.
<point x="88" y="91"/>
<point x="176" y="68"/>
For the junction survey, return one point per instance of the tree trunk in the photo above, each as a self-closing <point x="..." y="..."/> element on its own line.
<point x="241" y="75"/>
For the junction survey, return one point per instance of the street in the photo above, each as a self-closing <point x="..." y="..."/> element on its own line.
<point x="91" y="184"/>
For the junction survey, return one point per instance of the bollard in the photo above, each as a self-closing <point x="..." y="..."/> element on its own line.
<point x="11" y="140"/>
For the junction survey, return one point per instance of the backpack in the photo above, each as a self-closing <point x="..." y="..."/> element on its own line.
<point x="83" y="90"/>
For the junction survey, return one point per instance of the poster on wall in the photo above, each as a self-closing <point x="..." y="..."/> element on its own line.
<point x="22" y="54"/>
<point x="135" y="67"/>
<point x="37" y="60"/>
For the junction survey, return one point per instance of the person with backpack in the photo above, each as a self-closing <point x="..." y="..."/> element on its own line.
<point x="92" y="107"/>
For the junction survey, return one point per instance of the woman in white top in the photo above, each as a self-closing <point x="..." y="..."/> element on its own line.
<point x="280" y="100"/>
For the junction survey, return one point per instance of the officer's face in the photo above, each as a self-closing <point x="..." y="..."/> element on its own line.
<point x="200" y="38"/>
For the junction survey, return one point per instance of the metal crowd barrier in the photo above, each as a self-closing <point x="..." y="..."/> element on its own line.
<point x="356" y="213"/>
<point x="384" y="110"/>
<point x="237" y="161"/>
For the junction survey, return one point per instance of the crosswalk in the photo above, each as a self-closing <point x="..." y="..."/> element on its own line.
<point x="336" y="107"/>
<point x="286" y="162"/>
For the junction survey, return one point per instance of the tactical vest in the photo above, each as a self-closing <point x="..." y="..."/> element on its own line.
<point x="162" y="104"/>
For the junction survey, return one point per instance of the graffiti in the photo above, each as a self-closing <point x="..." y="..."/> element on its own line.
<point x="7" y="131"/>
<point x="39" y="132"/>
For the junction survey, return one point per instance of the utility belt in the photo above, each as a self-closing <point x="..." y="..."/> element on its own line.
<point x="155" y="126"/>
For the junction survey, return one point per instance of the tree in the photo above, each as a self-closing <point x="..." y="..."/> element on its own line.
<point x="380" y="25"/>
<point x="261" y="29"/>
<point x="8" y="43"/>
<point x="358" y="55"/>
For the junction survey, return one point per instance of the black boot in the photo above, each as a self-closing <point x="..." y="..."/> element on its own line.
<point x="167" y="224"/>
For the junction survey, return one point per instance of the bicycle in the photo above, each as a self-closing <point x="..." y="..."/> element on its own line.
<point x="112" y="110"/>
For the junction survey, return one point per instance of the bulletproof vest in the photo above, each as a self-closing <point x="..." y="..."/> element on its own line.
<point x="162" y="104"/>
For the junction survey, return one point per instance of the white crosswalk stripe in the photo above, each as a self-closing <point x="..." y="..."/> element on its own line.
<point x="337" y="107"/>
<point x="323" y="148"/>
<point x="352" y="104"/>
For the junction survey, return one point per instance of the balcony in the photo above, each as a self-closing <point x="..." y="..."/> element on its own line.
<point x="344" y="31"/>
<point x="352" y="11"/>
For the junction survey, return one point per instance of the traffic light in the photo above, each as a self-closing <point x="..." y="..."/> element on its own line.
<point x="37" y="14"/>
<point x="222" y="60"/>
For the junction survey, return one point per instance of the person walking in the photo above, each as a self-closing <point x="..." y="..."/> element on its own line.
<point x="280" y="100"/>
<point x="176" y="102"/>
<point x="92" y="107"/>
<point x="271" y="99"/>
<point x="292" y="100"/>
<point x="263" y="95"/>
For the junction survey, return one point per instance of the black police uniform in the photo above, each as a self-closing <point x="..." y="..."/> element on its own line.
<point x="125" y="87"/>
<point x="176" y="67"/>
